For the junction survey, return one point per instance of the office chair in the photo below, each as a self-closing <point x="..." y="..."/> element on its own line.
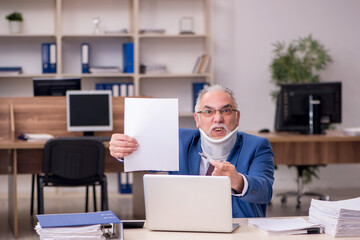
<point x="73" y="162"/>
<point x="86" y="196"/>
<point x="300" y="190"/>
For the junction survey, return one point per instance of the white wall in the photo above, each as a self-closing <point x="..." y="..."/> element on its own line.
<point x="244" y="32"/>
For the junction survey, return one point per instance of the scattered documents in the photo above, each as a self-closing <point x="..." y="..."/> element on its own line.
<point x="96" y="225"/>
<point x="285" y="226"/>
<point x="352" y="131"/>
<point x="154" y="123"/>
<point x="35" y="136"/>
<point x="339" y="218"/>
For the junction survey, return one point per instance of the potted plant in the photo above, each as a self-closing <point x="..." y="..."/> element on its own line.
<point x="299" y="62"/>
<point x="15" y="20"/>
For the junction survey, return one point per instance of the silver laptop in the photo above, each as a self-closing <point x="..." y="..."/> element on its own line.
<point x="188" y="203"/>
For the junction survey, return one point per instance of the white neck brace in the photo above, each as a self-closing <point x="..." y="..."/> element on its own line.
<point x="218" y="149"/>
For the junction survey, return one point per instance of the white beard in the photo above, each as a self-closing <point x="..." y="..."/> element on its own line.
<point x="218" y="149"/>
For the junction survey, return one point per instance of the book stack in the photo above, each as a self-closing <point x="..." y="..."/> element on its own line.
<point x="202" y="64"/>
<point x="154" y="69"/>
<point x="10" y="70"/>
<point x="339" y="218"/>
<point x="96" y="225"/>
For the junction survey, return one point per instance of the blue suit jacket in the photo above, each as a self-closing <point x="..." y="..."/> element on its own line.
<point x="251" y="155"/>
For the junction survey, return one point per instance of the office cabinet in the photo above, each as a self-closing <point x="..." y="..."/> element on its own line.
<point x="69" y="23"/>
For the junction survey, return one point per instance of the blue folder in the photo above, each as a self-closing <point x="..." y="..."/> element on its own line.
<point x="77" y="219"/>
<point x="128" y="52"/>
<point x="48" y="57"/>
<point x="197" y="87"/>
<point x="45" y="57"/>
<point x="85" y="57"/>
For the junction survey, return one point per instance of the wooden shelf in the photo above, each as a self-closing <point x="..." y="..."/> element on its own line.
<point x="171" y="36"/>
<point x="40" y="75"/>
<point x="95" y="75"/>
<point x="21" y="35"/>
<point x="119" y="35"/>
<point x="70" y="25"/>
<point x="174" y="75"/>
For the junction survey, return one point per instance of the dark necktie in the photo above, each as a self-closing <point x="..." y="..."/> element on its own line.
<point x="210" y="170"/>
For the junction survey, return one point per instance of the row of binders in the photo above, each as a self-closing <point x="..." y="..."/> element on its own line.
<point x="338" y="218"/>
<point x="95" y="225"/>
<point x="202" y="64"/>
<point x="128" y="60"/>
<point x="117" y="89"/>
<point x="48" y="57"/>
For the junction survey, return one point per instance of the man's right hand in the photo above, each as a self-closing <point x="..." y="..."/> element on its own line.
<point x="122" y="145"/>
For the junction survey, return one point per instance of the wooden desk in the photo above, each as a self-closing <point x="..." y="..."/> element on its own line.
<point x="330" y="148"/>
<point x="243" y="232"/>
<point x="38" y="115"/>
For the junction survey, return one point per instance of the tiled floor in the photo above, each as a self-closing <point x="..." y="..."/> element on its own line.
<point x="121" y="205"/>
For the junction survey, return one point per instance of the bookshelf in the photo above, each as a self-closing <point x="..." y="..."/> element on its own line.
<point x="70" y="23"/>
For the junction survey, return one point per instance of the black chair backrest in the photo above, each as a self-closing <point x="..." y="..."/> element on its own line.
<point x="74" y="158"/>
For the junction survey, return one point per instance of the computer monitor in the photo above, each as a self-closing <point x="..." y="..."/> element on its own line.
<point x="55" y="86"/>
<point x="308" y="108"/>
<point x="89" y="111"/>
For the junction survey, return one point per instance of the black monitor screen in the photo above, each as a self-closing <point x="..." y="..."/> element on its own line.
<point x="89" y="111"/>
<point x="55" y="86"/>
<point x="303" y="107"/>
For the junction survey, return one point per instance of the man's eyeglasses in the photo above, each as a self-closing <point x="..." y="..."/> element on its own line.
<point x="212" y="112"/>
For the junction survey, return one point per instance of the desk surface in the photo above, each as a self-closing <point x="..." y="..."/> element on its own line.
<point x="243" y="232"/>
<point x="330" y="136"/>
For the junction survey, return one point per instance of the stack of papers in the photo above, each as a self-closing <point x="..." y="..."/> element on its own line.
<point x="35" y="136"/>
<point x="339" y="218"/>
<point x="352" y="131"/>
<point x="96" y="225"/>
<point x="154" y="69"/>
<point x="284" y="226"/>
<point x="85" y="232"/>
<point x="10" y="70"/>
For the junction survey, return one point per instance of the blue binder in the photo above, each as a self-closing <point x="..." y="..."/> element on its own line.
<point x="128" y="52"/>
<point x="52" y="57"/>
<point x="125" y="186"/>
<point x="77" y="219"/>
<point x="100" y="86"/>
<point x="45" y="57"/>
<point x="197" y="87"/>
<point x="85" y="57"/>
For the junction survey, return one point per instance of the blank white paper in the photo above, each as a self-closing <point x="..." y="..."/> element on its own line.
<point x="154" y="123"/>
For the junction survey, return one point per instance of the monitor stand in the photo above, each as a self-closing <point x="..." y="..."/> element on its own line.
<point x="314" y="115"/>
<point x="88" y="134"/>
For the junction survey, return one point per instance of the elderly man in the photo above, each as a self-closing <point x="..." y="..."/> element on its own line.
<point x="218" y="149"/>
